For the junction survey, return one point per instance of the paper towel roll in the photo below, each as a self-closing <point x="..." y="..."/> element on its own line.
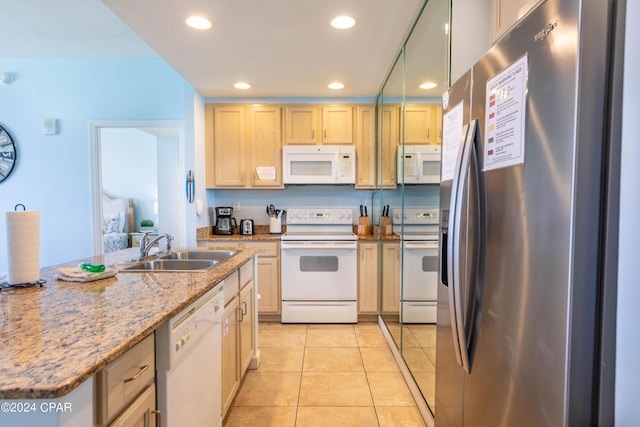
<point x="23" y="246"/>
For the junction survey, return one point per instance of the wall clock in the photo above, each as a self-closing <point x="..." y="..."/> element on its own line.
<point x="7" y="154"/>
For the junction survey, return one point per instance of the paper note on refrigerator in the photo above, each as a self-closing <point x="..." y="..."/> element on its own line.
<point x="505" y="115"/>
<point x="451" y="135"/>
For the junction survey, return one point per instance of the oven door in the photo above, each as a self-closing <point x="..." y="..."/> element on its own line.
<point x="420" y="270"/>
<point x="319" y="270"/>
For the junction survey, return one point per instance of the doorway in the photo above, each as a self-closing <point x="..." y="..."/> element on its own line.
<point x="143" y="161"/>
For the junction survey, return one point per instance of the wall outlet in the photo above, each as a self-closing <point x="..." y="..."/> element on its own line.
<point x="236" y="207"/>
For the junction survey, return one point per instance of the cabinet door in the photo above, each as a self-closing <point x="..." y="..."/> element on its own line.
<point x="229" y="146"/>
<point x="436" y="124"/>
<point x="417" y="124"/>
<point x="391" y="278"/>
<point x="247" y="325"/>
<point x="141" y="412"/>
<point x="367" y="278"/>
<point x="301" y="123"/>
<point x="390" y="138"/>
<point x="337" y="125"/>
<point x="268" y="285"/>
<point x="365" y="147"/>
<point x="230" y="358"/>
<point x="265" y="144"/>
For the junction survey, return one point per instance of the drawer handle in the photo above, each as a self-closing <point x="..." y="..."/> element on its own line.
<point x="137" y="375"/>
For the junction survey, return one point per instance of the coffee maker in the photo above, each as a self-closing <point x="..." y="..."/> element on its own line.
<point x="225" y="224"/>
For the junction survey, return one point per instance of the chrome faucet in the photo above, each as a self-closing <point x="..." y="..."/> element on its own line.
<point x="146" y="244"/>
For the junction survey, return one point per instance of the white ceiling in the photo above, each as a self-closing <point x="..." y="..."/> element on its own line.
<point x="283" y="48"/>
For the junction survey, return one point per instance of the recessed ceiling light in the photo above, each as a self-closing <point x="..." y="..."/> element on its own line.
<point x="335" y="85"/>
<point x="198" y="22"/>
<point x="343" y="22"/>
<point x="242" y="85"/>
<point x="428" y="85"/>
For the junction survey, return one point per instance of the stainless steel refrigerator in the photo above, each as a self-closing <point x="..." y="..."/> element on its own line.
<point x="525" y="176"/>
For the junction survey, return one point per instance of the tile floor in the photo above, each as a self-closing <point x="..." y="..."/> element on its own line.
<point x="324" y="375"/>
<point x="419" y="352"/>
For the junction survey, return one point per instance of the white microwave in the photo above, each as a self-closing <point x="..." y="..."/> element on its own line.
<point x="319" y="164"/>
<point x="419" y="164"/>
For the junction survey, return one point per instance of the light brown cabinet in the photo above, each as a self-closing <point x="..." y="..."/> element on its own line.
<point x="141" y="412"/>
<point x="311" y="124"/>
<point x="240" y="139"/>
<point x="268" y="272"/>
<point x="368" y="265"/>
<point x="365" y="147"/>
<point x="389" y="145"/>
<point x="125" y="389"/>
<point x="230" y="366"/>
<point x="391" y="265"/>
<point x="238" y="331"/>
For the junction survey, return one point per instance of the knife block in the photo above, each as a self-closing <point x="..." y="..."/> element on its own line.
<point x="385" y="226"/>
<point x="364" y="226"/>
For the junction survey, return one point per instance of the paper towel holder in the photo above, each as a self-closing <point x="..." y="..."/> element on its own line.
<point x="19" y="204"/>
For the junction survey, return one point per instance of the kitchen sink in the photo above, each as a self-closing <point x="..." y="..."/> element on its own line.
<point x="190" y="254"/>
<point x="179" y="261"/>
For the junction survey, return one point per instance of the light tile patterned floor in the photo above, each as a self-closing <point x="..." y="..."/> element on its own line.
<point x="324" y="375"/>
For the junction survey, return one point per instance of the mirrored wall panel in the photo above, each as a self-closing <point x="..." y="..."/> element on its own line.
<point x="410" y="121"/>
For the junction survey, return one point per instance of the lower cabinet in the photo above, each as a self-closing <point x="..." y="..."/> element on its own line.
<point x="125" y="389"/>
<point x="268" y="272"/>
<point x="368" y="256"/>
<point x="238" y="331"/>
<point x="141" y="412"/>
<point x="391" y="278"/>
<point x="230" y="371"/>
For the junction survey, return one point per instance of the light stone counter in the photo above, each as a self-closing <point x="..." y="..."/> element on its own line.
<point x="54" y="338"/>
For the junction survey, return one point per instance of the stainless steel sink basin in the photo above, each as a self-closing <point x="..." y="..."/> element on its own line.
<point x="171" y="265"/>
<point x="179" y="261"/>
<point x="192" y="254"/>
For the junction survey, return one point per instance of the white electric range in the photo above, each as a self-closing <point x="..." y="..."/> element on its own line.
<point x="418" y="228"/>
<point x="319" y="266"/>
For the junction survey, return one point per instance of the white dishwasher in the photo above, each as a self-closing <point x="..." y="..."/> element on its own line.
<point x="188" y="364"/>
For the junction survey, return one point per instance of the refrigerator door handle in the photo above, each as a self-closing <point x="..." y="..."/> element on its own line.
<point x="467" y="166"/>
<point x="453" y="243"/>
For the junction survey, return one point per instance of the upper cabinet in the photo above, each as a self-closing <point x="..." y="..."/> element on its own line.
<point x="366" y="147"/>
<point x="422" y="124"/>
<point x="505" y="14"/>
<point x="310" y="125"/>
<point x="243" y="146"/>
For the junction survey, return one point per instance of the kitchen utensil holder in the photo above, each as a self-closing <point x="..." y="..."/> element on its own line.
<point x="275" y="225"/>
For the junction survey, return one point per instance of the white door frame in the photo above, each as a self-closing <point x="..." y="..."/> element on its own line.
<point x="96" y="171"/>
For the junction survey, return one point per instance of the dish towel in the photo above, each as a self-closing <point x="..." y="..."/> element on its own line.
<point x="76" y="274"/>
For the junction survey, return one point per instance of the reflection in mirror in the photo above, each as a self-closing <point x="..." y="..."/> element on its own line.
<point x="425" y="80"/>
<point x="392" y="95"/>
<point x="412" y="97"/>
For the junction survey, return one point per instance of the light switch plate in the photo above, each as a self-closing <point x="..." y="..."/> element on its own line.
<point x="50" y="126"/>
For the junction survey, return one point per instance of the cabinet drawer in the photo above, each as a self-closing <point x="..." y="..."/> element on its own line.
<point x="230" y="287"/>
<point x="246" y="273"/>
<point x="141" y="412"/>
<point x="122" y="380"/>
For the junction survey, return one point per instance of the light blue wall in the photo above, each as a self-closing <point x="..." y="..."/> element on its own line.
<point x="253" y="202"/>
<point x="53" y="173"/>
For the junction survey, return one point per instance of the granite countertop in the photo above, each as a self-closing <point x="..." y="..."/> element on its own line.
<point x="262" y="234"/>
<point x="55" y="337"/>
